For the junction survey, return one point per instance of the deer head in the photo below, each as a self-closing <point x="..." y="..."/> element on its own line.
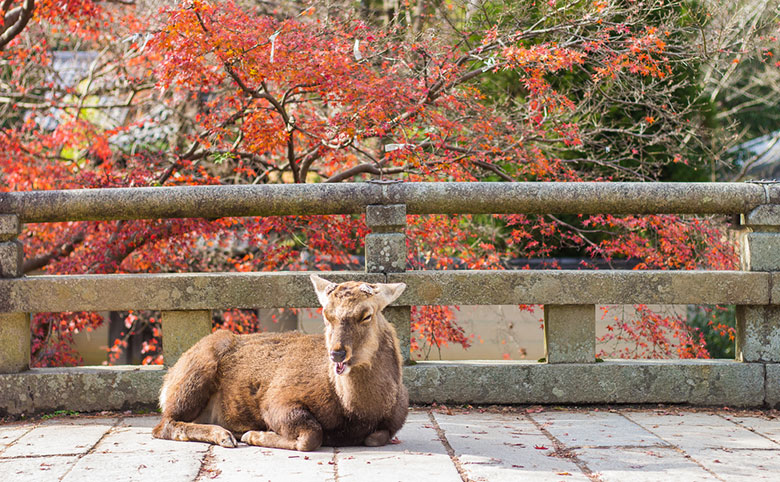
<point x="353" y="318"/>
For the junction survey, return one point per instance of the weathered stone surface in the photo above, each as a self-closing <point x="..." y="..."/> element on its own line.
<point x="705" y="382"/>
<point x="570" y="333"/>
<point x="350" y="198"/>
<point x="190" y="202"/>
<point x="14" y="342"/>
<point x="762" y="425"/>
<point x="83" y="389"/>
<point x="100" y="467"/>
<point x="772" y="193"/>
<point x="170" y="291"/>
<point x="581" y="287"/>
<point x="385" y="253"/>
<point x="419" y="456"/>
<point x="387" y="218"/>
<point x="740" y="465"/>
<point x="9" y="227"/>
<point x="181" y="330"/>
<point x="60" y="437"/>
<point x="600" y="429"/>
<point x="10" y="434"/>
<point x="246" y="462"/>
<point x="39" y="469"/>
<point x="698" y="431"/>
<point x="773" y="385"/>
<point x="577" y="197"/>
<point x="498" y="448"/>
<point x="134" y="435"/>
<point x="643" y="464"/>
<point x="758" y="334"/>
<point x="764" y="216"/>
<point x="698" y="382"/>
<point x="775" y="292"/>
<point x="401" y="317"/>
<point x="11" y="258"/>
<point x="760" y="251"/>
<point x="195" y="291"/>
<point x="494" y="447"/>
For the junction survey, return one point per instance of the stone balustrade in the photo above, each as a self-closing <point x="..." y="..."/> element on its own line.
<point x="570" y="373"/>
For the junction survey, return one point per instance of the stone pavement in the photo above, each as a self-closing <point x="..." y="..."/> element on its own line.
<point x="437" y="444"/>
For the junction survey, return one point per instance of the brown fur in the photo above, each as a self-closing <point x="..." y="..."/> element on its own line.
<point x="283" y="390"/>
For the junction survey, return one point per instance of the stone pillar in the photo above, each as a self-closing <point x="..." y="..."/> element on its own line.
<point x="11" y="253"/>
<point x="758" y="327"/>
<point x="181" y="330"/>
<point x="14" y="327"/>
<point x="386" y="253"/>
<point x="570" y="333"/>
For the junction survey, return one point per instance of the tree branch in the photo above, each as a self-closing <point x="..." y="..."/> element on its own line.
<point x="15" y="20"/>
<point x="62" y="252"/>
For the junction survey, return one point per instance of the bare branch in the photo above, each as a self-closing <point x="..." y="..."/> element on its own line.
<point x="15" y="20"/>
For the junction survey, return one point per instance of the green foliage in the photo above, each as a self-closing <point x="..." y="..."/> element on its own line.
<point x="716" y="324"/>
<point x="60" y="413"/>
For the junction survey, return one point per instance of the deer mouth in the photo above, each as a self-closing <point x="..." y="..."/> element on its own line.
<point x="340" y="367"/>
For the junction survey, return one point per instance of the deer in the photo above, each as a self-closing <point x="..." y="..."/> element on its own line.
<point x="292" y="390"/>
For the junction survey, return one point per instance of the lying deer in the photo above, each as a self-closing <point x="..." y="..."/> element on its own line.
<point x="291" y="390"/>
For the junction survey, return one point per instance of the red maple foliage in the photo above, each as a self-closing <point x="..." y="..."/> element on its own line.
<point x="209" y="92"/>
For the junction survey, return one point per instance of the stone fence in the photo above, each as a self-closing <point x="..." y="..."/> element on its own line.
<point x="571" y="373"/>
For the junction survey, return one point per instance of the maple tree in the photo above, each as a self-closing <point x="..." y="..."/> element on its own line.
<point x="209" y="92"/>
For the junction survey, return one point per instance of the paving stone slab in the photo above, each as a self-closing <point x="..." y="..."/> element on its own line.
<point x="61" y="437"/>
<point x="420" y="456"/>
<point x="642" y="464"/>
<point x="11" y="434"/>
<point x="693" y="431"/>
<point x="505" y="447"/>
<point x="38" y="469"/>
<point x="134" y="435"/>
<point x="763" y="426"/>
<point x="246" y="462"/>
<point x="596" y="429"/>
<point x="740" y="465"/>
<point x="144" y="466"/>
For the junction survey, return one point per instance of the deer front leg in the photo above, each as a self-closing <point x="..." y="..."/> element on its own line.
<point x="393" y="423"/>
<point x="295" y="429"/>
<point x="194" y="432"/>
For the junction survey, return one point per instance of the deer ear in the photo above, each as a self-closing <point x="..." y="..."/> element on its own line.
<point x="323" y="288"/>
<point x="386" y="293"/>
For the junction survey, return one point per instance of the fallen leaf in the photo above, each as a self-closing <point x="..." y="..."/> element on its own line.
<point x="540" y="447"/>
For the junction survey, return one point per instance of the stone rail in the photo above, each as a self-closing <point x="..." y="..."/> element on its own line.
<point x="570" y="373"/>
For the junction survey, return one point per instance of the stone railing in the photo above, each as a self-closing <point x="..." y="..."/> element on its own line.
<point x="570" y="374"/>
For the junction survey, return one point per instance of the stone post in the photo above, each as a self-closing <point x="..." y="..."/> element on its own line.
<point x="14" y="327"/>
<point x="386" y="253"/>
<point x="181" y="330"/>
<point x="570" y="333"/>
<point x="758" y="327"/>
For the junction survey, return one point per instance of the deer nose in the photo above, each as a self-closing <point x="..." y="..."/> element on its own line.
<point x="338" y="356"/>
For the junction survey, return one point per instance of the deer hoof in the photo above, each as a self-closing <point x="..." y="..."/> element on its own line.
<point x="226" y="439"/>
<point x="253" y="437"/>
<point x="377" y="439"/>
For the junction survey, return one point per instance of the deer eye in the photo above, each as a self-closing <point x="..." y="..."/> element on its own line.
<point x="366" y="318"/>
